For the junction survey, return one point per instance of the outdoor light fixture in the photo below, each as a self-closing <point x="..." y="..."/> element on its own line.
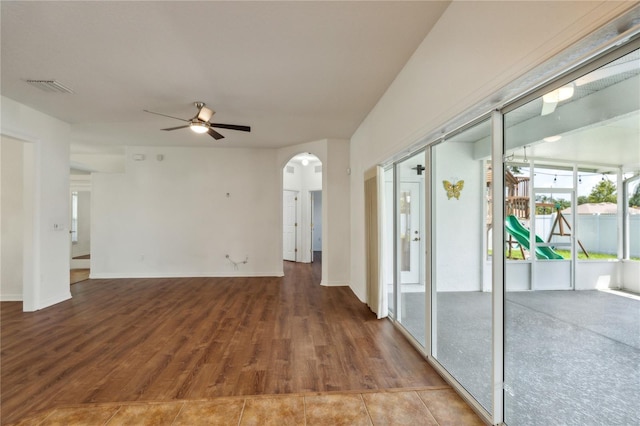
<point x="199" y="127"/>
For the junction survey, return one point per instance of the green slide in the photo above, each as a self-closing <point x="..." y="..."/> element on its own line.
<point x="521" y="234"/>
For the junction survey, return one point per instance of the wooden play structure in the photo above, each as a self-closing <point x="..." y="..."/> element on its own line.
<point x="517" y="205"/>
<point x="560" y="222"/>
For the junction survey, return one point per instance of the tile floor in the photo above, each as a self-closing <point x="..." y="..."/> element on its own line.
<point x="429" y="406"/>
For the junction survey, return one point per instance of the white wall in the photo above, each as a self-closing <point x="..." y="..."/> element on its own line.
<point x="475" y="49"/>
<point x="292" y="181"/>
<point x="11" y="223"/>
<point x="630" y="275"/>
<point x="108" y="163"/>
<point x="336" y="227"/>
<point x="181" y="216"/>
<point x="46" y="214"/>
<point x="459" y="223"/>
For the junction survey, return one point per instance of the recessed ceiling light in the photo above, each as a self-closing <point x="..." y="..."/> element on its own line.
<point x="555" y="138"/>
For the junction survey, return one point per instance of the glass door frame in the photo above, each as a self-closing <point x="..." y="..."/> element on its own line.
<point x="395" y="307"/>
<point x="558" y="75"/>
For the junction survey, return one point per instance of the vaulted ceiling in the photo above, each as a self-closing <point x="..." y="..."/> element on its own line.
<point x="294" y="71"/>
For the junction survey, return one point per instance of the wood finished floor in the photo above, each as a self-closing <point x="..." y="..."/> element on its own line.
<point x="197" y="338"/>
<point x="78" y="275"/>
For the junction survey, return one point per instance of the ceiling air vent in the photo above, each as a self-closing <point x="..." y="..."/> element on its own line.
<point x="50" y="86"/>
<point x="291" y="169"/>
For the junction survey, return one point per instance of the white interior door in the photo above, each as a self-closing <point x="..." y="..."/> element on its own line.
<point x="289" y="225"/>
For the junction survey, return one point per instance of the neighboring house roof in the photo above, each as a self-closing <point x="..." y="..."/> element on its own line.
<point x="599" y="208"/>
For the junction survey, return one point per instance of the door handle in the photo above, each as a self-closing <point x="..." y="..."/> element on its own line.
<point x="416" y="239"/>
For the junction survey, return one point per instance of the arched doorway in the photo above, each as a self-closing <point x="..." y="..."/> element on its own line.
<point x="302" y="209"/>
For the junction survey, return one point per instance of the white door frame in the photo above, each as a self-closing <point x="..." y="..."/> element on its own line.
<point x="287" y="196"/>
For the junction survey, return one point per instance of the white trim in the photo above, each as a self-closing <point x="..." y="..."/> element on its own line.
<point x="11" y="297"/>
<point x="45" y="303"/>
<point x="333" y="283"/>
<point x="497" y="267"/>
<point x="125" y="275"/>
<point x="430" y="294"/>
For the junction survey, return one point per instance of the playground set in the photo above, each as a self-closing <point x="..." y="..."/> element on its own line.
<point x="517" y="209"/>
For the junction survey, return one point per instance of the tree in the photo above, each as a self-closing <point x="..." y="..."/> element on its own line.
<point x="634" y="201"/>
<point x="583" y="199"/>
<point x="603" y="192"/>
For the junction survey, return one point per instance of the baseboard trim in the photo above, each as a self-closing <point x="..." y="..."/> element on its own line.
<point x="54" y="300"/>
<point x="11" y="297"/>
<point x="334" y="283"/>
<point x="114" y="275"/>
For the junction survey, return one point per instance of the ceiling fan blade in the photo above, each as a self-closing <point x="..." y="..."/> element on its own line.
<point x="215" y="134"/>
<point x="231" y="127"/>
<point x="165" y="115"/>
<point x="205" y="114"/>
<point x="176" y="128"/>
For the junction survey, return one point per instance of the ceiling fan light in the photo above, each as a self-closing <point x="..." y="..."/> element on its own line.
<point x="199" y="127"/>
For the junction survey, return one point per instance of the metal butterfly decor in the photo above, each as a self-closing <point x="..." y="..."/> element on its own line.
<point x="453" y="189"/>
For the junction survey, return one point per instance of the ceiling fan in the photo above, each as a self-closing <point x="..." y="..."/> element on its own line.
<point x="200" y="122"/>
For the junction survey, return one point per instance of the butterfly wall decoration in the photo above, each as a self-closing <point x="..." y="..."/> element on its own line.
<point x="453" y="189"/>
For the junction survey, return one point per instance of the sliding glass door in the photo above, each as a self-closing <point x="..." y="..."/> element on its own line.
<point x="410" y="245"/>
<point x="511" y="254"/>
<point x="571" y="357"/>
<point x="461" y="301"/>
<point x="404" y="248"/>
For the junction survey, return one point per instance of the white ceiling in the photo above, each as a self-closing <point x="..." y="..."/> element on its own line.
<point x="294" y="71"/>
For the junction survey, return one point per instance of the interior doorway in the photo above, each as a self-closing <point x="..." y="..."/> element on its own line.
<point x="80" y="226"/>
<point x="302" y="209"/>
<point x="18" y="261"/>
<point x="316" y="226"/>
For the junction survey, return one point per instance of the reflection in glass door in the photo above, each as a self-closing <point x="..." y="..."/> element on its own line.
<point x="410" y="218"/>
<point x="410" y="245"/>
